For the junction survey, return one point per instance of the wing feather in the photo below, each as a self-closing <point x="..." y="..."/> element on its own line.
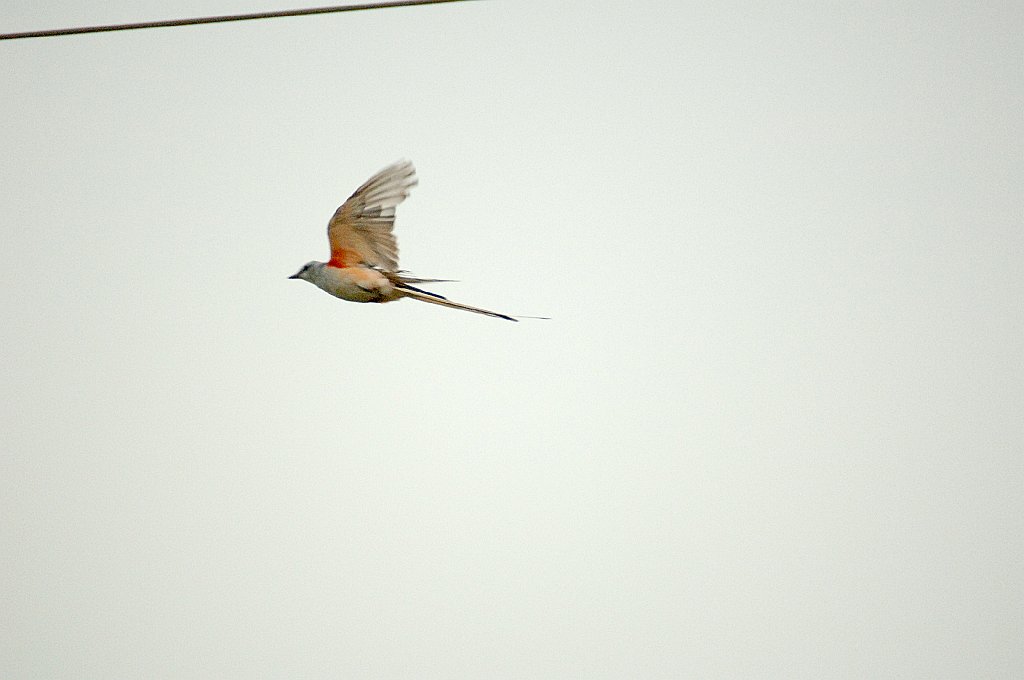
<point x="360" y="231"/>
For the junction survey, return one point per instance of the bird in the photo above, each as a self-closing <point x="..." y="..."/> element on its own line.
<point x="364" y="252"/>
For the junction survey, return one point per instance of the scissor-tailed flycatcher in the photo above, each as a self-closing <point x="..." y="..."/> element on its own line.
<point x="364" y="254"/>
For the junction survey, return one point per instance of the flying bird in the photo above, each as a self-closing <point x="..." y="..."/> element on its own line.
<point x="364" y="253"/>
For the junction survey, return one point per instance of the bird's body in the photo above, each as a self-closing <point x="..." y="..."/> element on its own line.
<point x="355" y="284"/>
<point x="364" y="253"/>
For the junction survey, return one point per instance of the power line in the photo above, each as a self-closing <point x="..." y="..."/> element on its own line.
<point x="220" y="19"/>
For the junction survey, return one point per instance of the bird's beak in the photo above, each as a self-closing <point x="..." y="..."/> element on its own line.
<point x="295" y="276"/>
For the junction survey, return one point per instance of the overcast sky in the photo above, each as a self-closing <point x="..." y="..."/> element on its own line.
<point x="772" y="430"/>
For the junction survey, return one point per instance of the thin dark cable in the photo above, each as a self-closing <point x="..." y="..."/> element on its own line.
<point x="221" y="19"/>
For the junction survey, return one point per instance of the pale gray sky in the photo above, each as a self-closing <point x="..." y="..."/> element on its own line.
<point x="773" y="428"/>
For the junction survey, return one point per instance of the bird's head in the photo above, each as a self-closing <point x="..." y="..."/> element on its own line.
<point x="307" y="272"/>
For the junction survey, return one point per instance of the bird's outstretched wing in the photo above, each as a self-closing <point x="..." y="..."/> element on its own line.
<point x="360" y="231"/>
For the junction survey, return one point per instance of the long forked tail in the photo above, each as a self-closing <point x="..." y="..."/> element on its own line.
<point x="434" y="299"/>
